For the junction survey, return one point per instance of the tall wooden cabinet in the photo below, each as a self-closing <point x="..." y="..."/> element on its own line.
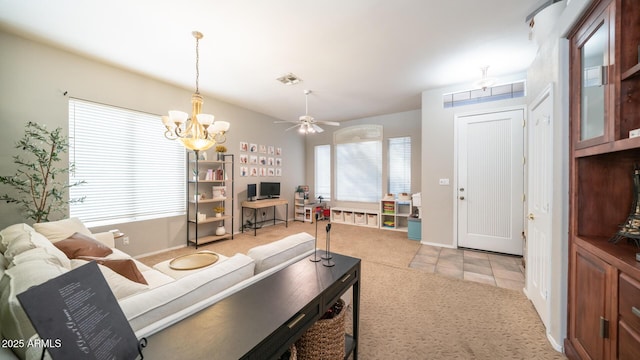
<point x="604" y="277"/>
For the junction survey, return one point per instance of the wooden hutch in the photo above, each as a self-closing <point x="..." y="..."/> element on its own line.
<point x="604" y="277"/>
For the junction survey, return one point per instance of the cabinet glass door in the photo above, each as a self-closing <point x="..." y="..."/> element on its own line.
<point x="594" y="57"/>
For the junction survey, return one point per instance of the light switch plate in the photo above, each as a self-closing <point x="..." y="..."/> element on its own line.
<point x="443" y="182"/>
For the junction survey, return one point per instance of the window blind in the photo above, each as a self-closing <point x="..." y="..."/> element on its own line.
<point x="359" y="171"/>
<point x="399" y="165"/>
<point x="132" y="172"/>
<point x="323" y="171"/>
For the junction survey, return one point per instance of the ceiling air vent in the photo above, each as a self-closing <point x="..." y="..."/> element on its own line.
<point x="493" y="93"/>
<point x="289" y="79"/>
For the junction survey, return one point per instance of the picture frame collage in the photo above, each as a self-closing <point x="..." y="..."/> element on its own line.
<point x="258" y="160"/>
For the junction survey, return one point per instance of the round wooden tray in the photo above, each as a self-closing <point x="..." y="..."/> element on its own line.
<point x="193" y="261"/>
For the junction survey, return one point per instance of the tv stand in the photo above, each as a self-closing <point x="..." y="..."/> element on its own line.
<point x="262" y="204"/>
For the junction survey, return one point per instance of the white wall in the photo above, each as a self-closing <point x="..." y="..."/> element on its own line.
<point x="34" y="77"/>
<point x="394" y="125"/>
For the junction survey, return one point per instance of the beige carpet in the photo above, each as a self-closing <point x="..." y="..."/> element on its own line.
<point x="410" y="314"/>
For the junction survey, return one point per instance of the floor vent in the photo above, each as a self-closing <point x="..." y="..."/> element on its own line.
<point x="494" y="93"/>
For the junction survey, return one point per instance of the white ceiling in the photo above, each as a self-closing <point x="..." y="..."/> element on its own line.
<point x="359" y="57"/>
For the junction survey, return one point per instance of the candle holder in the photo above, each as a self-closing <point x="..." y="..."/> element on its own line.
<point x="315" y="257"/>
<point x="327" y="256"/>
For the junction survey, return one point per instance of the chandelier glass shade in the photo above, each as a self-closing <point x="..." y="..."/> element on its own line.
<point x="200" y="131"/>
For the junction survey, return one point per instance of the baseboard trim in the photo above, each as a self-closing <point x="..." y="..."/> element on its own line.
<point x="556" y="346"/>
<point x="438" y="244"/>
<point x="159" y="251"/>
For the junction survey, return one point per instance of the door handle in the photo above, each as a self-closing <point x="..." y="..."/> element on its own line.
<point x="461" y="197"/>
<point x="531" y="217"/>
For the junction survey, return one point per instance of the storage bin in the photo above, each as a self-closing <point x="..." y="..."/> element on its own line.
<point x="348" y="217"/>
<point x="337" y="216"/>
<point x="324" y="340"/>
<point x="415" y="229"/>
<point x="372" y="220"/>
<point x="359" y="218"/>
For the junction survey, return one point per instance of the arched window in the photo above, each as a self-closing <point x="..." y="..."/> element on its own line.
<point x="359" y="163"/>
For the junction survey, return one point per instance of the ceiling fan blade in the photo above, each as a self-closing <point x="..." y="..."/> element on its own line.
<point x="317" y="128"/>
<point x="285" y="121"/>
<point x="332" y="123"/>
<point x="293" y="127"/>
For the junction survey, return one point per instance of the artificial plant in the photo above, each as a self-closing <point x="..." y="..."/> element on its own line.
<point x="39" y="184"/>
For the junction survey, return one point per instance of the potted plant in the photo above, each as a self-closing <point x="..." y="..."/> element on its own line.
<point x="220" y="150"/>
<point x="40" y="183"/>
<point x="195" y="173"/>
<point x="219" y="210"/>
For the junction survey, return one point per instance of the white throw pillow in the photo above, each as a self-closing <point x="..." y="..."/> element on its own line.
<point x="37" y="254"/>
<point x="31" y="240"/>
<point x="62" y="229"/>
<point x="269" y="255"/>
<point x="11" y="232"/>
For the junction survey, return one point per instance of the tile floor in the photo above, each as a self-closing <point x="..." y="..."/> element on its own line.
<point x="500" y="270"/>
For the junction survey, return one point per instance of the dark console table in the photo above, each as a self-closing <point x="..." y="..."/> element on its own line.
<point x="263" y="320"/>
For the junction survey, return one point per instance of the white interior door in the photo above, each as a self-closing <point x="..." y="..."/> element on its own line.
<point x="539" y="156"/>
<point x="490" y="181"/>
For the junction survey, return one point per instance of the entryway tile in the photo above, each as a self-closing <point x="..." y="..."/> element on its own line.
<point x="504" y="271"/>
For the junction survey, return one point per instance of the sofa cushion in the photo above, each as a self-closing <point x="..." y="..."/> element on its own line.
<point x="120" y="286"/>
<point x="124" y="267"/>
<point x="30" y="240"/>
<point x="17" y="279"/>
<point x="61" y="229"/>
<point x="79" y="244"/>
<point x="39" y="254"/>
<point x="158" y="303"/>
<point x="269" y="255"/>
<point x="11" y="232"/>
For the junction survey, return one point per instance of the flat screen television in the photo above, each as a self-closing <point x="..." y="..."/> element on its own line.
<point x="251" y="192"/>
<point x="269" y="189"/>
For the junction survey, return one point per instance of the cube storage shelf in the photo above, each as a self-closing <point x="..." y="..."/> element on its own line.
<point x="394" y="214"/>
<point x="352" y="216"/>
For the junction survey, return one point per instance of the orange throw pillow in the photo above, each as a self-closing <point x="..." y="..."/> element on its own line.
<point x="124" y="267"/>
<point x="78" y="245"/>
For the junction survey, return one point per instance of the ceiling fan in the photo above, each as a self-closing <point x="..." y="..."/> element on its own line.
<point x="306" y="122"/>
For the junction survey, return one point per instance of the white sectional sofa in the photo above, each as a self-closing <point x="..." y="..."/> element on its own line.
<point x="29" y="257"/>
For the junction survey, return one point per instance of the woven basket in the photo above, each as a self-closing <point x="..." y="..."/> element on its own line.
<point x="324" y="340"/>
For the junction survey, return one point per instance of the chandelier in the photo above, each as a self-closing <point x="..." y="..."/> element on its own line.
<point x="198" y="132"/>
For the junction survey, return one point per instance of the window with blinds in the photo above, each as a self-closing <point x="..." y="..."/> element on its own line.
<point x="323" y="171"/>
<point x="132" y="172"/>
<point x="399" y="165"/>
<point x="359" y="163"/>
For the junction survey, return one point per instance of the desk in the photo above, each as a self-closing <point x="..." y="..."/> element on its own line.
<point x="262" y="204"/>
<point x="262" y="320"/>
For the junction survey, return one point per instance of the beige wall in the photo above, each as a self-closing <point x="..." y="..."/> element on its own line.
<point x="33" y="79"/>
<point x="394" y="125"/>
<point x="438" y="159"/>
<point x="551" y="66"/>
